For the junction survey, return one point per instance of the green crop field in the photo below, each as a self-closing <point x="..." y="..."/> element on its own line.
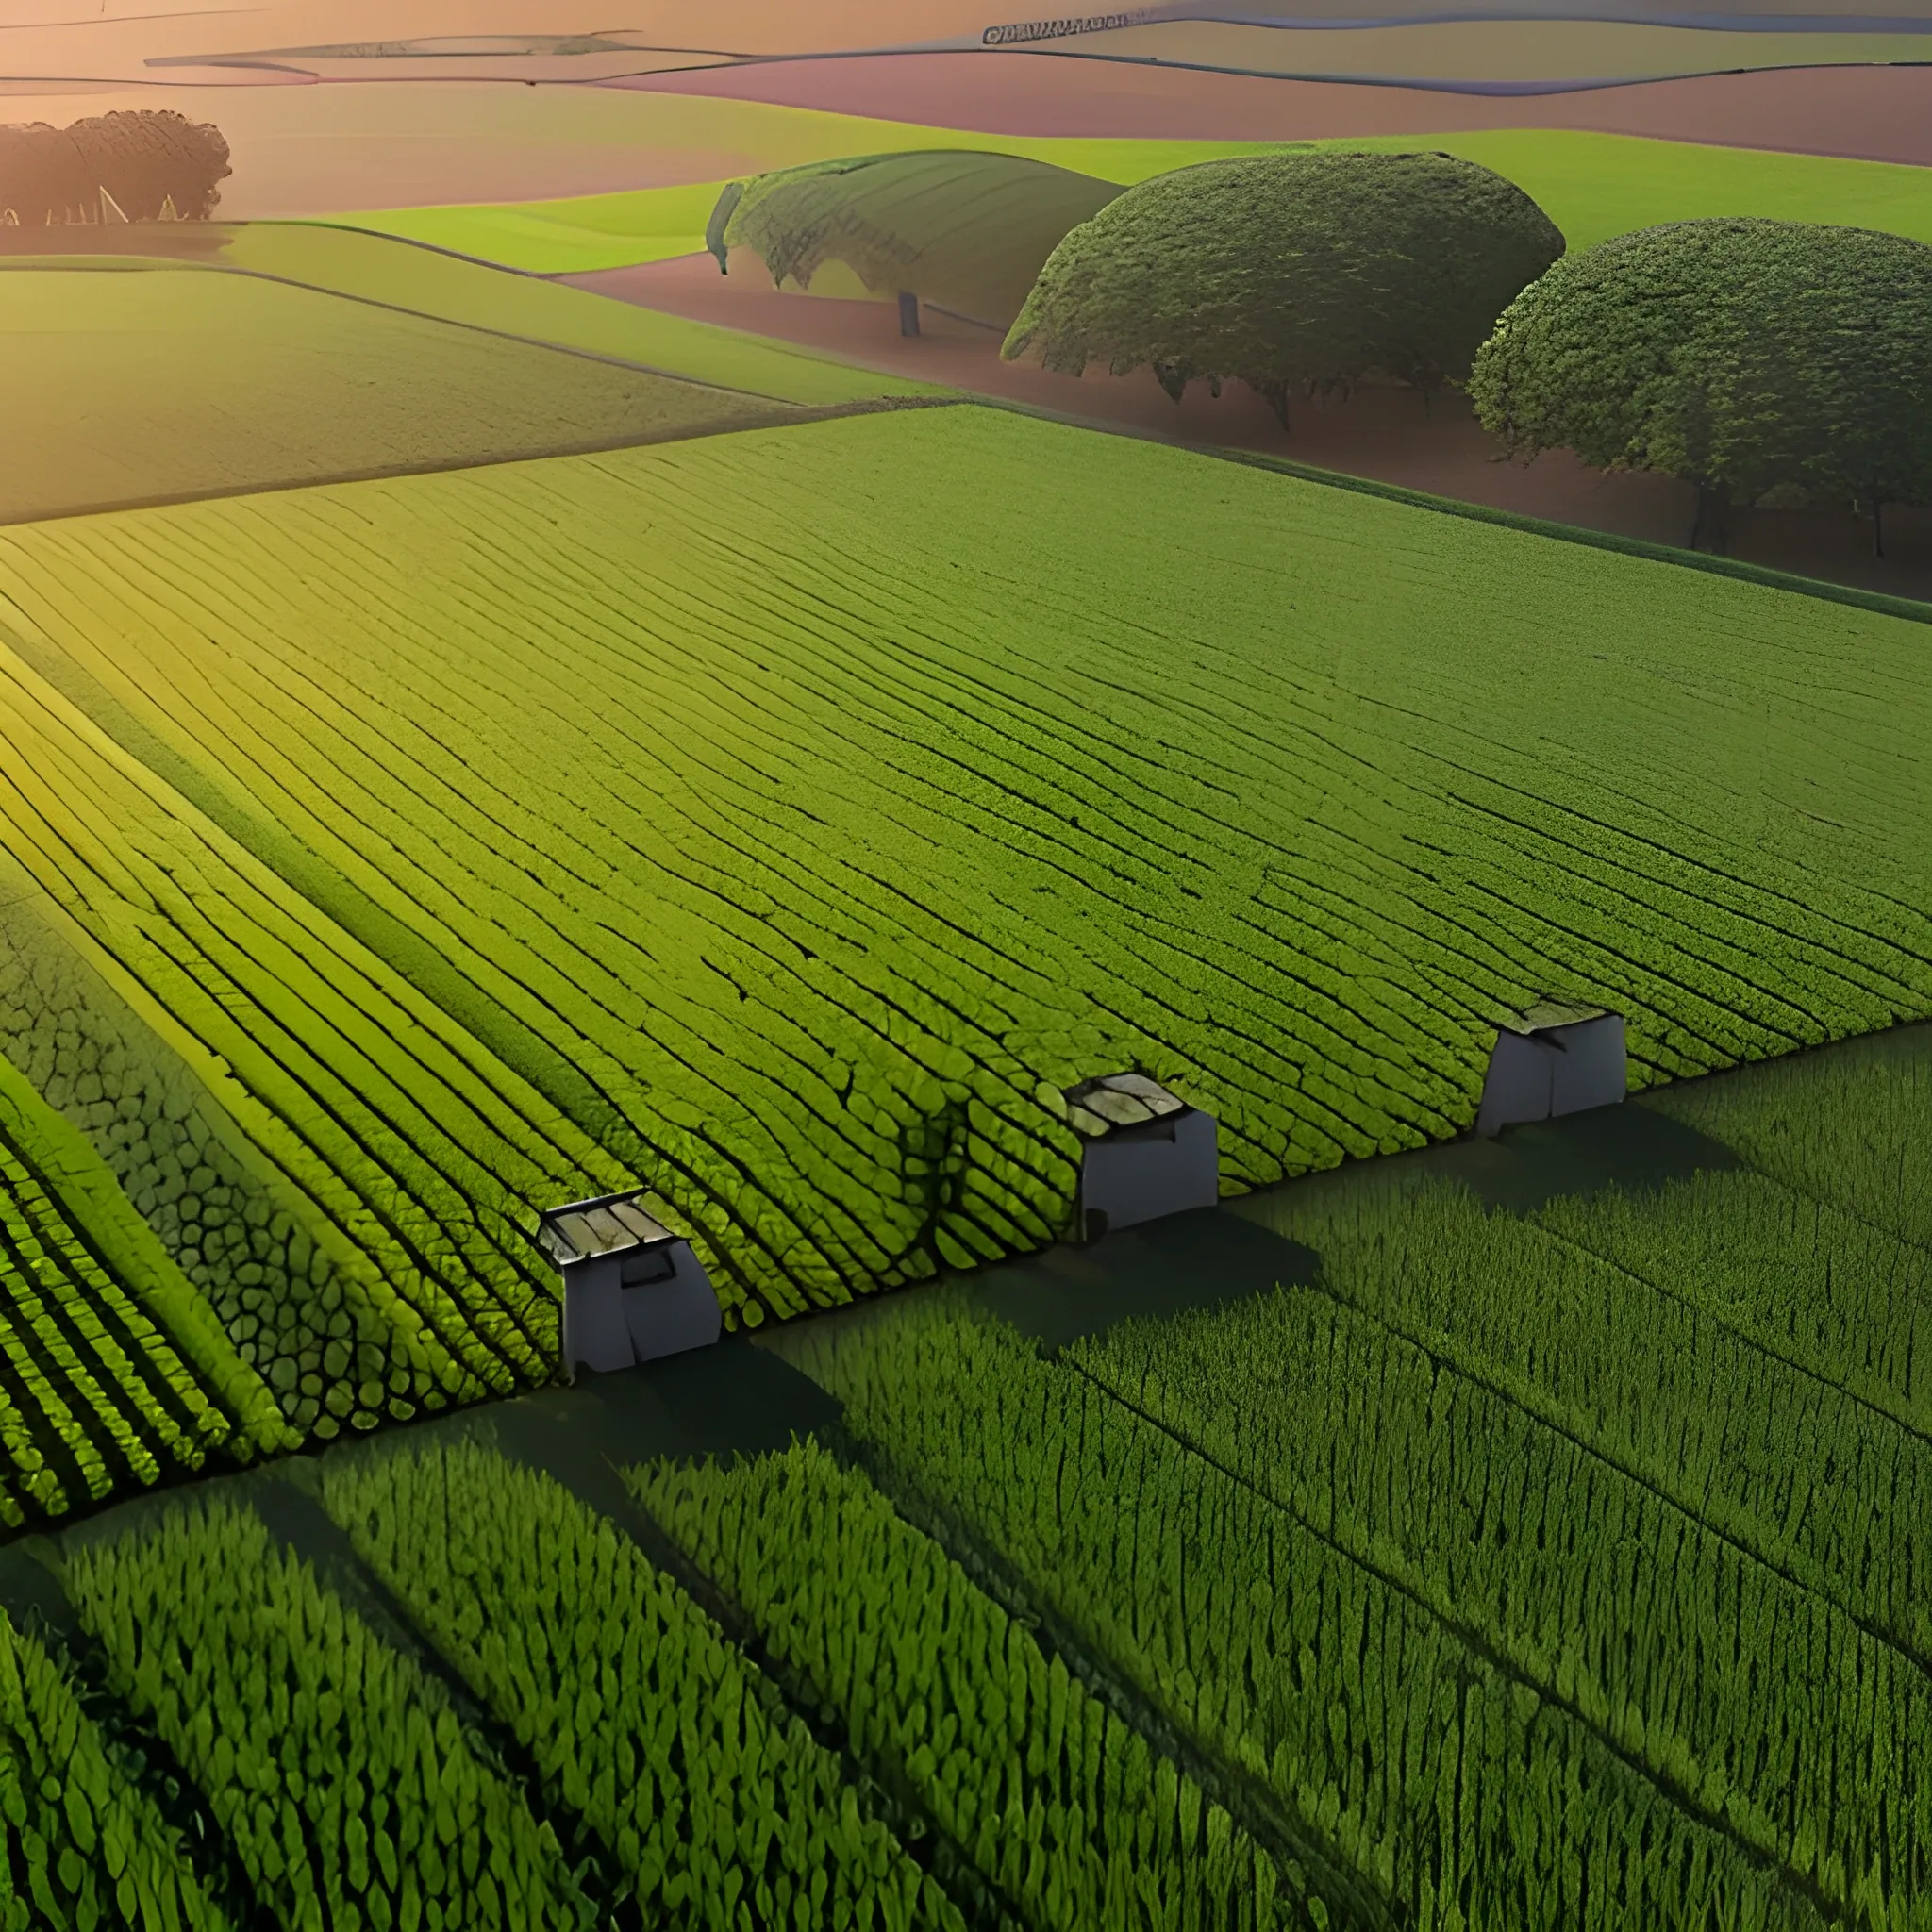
<point x="1514" y="1537"/>
<point x="779" y="822"/>
<point x="380" y="269"/>
<point x="1540" y="1568"/>
<point x="1592" y="186"/>
<point x="150" y="381"/>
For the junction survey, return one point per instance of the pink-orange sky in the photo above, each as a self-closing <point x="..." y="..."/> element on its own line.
<point x="114" y="40"/>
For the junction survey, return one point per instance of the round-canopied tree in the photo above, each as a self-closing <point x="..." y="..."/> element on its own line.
<point x="1300" y="272"/>
<point x="1754" y="359"/>
<point x="965" y="230"/>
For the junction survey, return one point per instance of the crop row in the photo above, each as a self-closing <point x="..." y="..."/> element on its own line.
<point x="1845" y="1128"/>
<point x="82" y="1843"/>
<point x="1664" y="1379"/>
<point x="901" y="813"/>
<point x="1061" y="1807"/>
<point x="337" y="1771"/>
<point x="485" y="1705"/>
<point x="1398" y="1748"/>
<point x="641" y="1718"/>
<point x="343" y="1180"/>
<point x="111" y="1371"/>
<point x="1753" y="1697"/>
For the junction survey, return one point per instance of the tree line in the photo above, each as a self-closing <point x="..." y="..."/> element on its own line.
<point x="1778" y="363"/>
<point x="1764" y="362"/>
<point x="146" y="166"/>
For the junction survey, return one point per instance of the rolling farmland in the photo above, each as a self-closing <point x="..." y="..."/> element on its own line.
<point x="147" y="381"/>
<point x="894" y="822"/>
<point x="401" y="275"/>
<point x="1514" y="1537"/>
<point x="1592" y="185"/>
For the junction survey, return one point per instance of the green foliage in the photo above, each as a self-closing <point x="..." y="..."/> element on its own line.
<point x="79" y="1838"/>
<point x="1414" y="1760"/>
<point x="902" y="825"/>
<point x="639" y="1714"/>
<point x="935" y="1685"/>
<point x="1747" y="357"/>
<point x="106" y="1345"/>
<point x="283" y="1286"/>
<point x="968" y="231"/>
<point x="1847" y="1127"/>
<point x="337" y="1772"/>
<point x="1650" y="1520"/>
<point x="337" y="1170"/>
<point x="1296" y="272"/>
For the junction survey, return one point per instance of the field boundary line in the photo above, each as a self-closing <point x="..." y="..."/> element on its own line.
<point x="1490" y="1651"/>
<point x="796" y="416"/>
<point x="158" y="264"/>
<point x="1292" y="1842"/>
<point x="557" y="278"/>
<point x="1880" y="602"/>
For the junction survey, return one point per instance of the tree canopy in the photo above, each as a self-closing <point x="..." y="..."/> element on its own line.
<point x="1752" y="357"/>
<point x="1294" y="272"/>
<point x="968" y="231"/>
<point x="149" y="162"/>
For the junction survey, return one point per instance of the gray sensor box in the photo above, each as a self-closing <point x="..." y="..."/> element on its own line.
<point x="1148" y="1153"/>
<point x="632" y="1290"/>
<point x="1556" y="1060"/>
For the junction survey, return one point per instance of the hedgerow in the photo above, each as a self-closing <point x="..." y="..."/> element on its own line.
<point x="968" y="231"/>
<point x="1763" y="362"/>
<point x="1297" y="273"/>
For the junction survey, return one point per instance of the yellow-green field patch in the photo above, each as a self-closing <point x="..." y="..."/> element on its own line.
<point x="176" y="382"/>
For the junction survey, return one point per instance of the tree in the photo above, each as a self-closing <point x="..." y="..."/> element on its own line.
<point x="146" y="162"/>
<point x="155" y="157"/>
<point x="1753" y="358"/>
<point x="1296" y="272"/>
<point x="964" y="230"/>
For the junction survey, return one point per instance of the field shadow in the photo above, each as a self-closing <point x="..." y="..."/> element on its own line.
<point x="1205" y="1258"/>
<point x="1630" y="1148"/>
<point x="732" y="1400"/>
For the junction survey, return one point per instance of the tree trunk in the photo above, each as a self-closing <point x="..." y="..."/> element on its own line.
<point x="1710" y="530"/>
<point x="1878" y="527"/>
<point x="1276" y="395"/>
<point x="909" y="312"/>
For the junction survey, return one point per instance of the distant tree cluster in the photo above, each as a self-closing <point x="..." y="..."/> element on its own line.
<point x="1763" y="362"/>
<point x="152" y="165"/>
<point x="1295" y="272"/>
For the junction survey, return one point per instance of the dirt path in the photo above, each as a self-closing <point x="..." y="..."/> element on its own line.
<point x="1383" y="434"/>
